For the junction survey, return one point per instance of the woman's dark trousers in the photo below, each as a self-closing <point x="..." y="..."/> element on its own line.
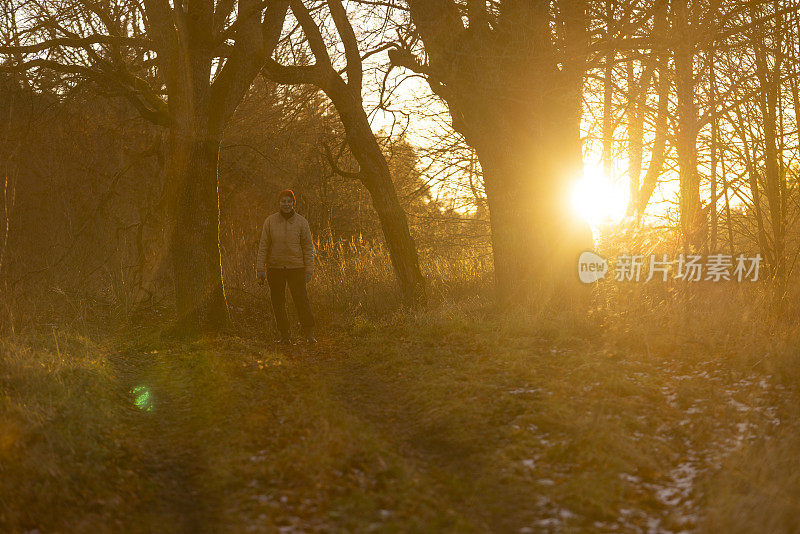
<point x="277" y="280"/>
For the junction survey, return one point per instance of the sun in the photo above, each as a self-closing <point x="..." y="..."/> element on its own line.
<point x="598" y="200"/>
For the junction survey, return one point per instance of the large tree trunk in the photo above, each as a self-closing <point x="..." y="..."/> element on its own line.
<point x="375" y="175"/>
<point x="535" y="242"/>
<point x="193" y="200"/>
<point x="515" y="95"/>
<point x="194" y="245"/>
<point x="529" y="174"/>
<point x="180" y="40"/>
<point x="8" y="96"/>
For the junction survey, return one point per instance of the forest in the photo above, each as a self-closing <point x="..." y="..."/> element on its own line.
<point x="553" y="283"/>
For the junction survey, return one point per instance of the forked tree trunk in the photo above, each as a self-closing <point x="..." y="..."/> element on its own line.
<point x="373" y="170"/>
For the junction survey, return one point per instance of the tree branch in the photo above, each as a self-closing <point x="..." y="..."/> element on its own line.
<point x="245" y="60"/>
<point x="312" y="33"/>
<point x="292" y="75"/>
<point x="335" y="166"/>
<point x="77" y="43"/>
<point x="355" y="71"/>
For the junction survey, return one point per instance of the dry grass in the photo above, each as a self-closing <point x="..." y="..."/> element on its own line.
<point x="655" y="410"/>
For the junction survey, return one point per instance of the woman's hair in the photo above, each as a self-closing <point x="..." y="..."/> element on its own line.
<point x="286" y="193"/>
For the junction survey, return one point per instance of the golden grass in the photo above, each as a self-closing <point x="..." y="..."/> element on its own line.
<point x="655" y="409"/>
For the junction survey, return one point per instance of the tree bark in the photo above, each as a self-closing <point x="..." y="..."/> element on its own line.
<point x="608" y="118"/>
<point x="691" y="223"/>
<point x="658" y="62"/>
<point x="193" y="200"/>
<point x="637" y="94"/>
<point x="768" y="103"/>
<point x="516" y="97"/>
<point x="194" y="245"/>
<point x="712" y="103"/>
<point x="752" y="174"/>
<point x="373" y="169"/>
<point x="375" y="175"/>
<point x="535" y="241"/>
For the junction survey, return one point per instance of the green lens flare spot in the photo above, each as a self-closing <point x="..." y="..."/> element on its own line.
<point x="142" y="398"/>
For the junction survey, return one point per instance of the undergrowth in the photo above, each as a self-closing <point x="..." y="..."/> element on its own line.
<point x="659" y="407"/>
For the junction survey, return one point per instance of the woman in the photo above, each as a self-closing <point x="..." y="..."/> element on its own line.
<point x="287" y="251"/>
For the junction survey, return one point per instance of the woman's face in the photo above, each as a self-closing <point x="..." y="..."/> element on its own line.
<point x="287" y="203"/>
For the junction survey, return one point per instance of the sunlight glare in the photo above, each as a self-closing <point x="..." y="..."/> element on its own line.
<point x="596" y="199"/>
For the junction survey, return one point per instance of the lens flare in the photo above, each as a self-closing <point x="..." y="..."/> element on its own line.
<point x="142" y="398"/>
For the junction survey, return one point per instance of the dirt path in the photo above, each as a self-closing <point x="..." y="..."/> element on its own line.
<point x="424" y="438"/>
<point x="702" y="414"/>
<point x="165" y="424"/>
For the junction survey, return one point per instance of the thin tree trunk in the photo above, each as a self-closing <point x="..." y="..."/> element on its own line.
<point x="690" y="213"/>
<point x="608" y="118"/>
<point x="637" y="93"/>
<point x="727" y="201"/>
<point x="659" y="61"/>
<point x="713" y="105"/>
<point x="768" y="105"/>
<point x="658" y="154"/>
<point x="793" y="85"/>
<point x="763" y="243"/>
<point x="376" y="177"/>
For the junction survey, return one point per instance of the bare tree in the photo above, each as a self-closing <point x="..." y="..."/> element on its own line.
<point x="184" y="66"/>
<point x="511" y="74"/>
<point x="769" y="66"/>
<point x="373" y="170"/>
<point x="654" y="64"/>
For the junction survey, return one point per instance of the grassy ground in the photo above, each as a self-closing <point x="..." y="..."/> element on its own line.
<point x="645" y="417"/>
